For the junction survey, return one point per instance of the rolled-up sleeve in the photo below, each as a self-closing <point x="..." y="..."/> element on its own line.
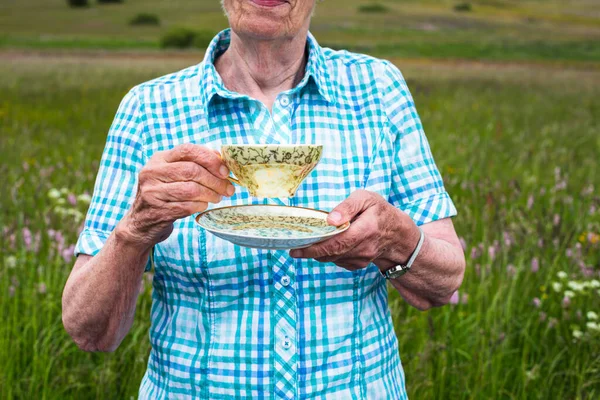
<point x="417" y="187"/>
<point x="116" y="182"/>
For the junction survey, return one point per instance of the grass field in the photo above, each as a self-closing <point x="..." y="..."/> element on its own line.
<point x="554" y="30"/>
<point x="518" y="147"/>
<point x="509" y="94"/>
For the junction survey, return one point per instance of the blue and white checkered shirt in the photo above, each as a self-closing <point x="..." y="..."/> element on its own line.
<point x="231" y="322"/>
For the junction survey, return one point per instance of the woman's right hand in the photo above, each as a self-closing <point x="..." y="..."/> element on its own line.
<point x="174" y="184"/>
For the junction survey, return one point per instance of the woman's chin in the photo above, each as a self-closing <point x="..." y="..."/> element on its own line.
<point x="262" y="28"/>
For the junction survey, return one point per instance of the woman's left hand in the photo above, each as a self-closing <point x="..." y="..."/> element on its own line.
<point x="379" y="233"/>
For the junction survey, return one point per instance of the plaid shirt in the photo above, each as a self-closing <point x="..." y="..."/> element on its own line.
<point x="231" y="322"/>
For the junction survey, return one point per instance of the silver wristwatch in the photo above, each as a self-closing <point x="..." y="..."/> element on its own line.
<point x="400" y="270"/>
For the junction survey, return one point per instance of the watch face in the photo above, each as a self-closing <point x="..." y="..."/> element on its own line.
<point x="396" y="272"/>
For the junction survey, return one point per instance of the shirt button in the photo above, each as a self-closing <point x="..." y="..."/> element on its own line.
<point x="287" y="342"/>
<point x="285" y="280"/>
<point x="284" y="100"/>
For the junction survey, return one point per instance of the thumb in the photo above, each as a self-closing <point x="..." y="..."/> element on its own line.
<point x="355" y="204"/>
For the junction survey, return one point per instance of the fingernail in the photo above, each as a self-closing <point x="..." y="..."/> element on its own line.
<point x="224" y="171"/>
<point x="230" y="190"/>
<point x="335" y="217"/>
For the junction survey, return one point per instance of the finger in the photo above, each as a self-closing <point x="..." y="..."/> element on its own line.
<point x="178" y="192"/>
<point x="200" y="155"/>
<point x="187" y="171"/>
<point x="348" y="209"/>
<point x="339" y="244"/>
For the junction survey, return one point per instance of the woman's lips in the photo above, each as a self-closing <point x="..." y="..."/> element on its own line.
<point x="268" y="3"/>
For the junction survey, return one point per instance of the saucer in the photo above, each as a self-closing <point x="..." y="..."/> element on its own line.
<point x="269" y="226"/>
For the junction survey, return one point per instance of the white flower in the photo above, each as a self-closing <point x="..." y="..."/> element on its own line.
<point x="562" y="274"/>
<point x="53" y="194"/>
<point x="577" y="334"/>
<point x="84" y="198"/>
<point x="557" y="286"/>
<point x="592" y="326"/>
<point x="592" y="315"/>
<point x="569" y="294"/>
<point x="594" y="283"/>
<point x="61" y="201"/>
<point x="64" y="191"/>
<point x="10" y="261"/>
<point x="576" y="286"/>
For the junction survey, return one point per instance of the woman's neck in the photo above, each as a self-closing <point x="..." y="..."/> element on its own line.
<point x="262" y="69"/>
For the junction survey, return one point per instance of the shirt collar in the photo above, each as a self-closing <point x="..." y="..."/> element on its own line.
<point x="316" y="69"/>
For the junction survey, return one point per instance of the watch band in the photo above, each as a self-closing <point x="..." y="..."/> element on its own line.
<point x="400" y="270"/>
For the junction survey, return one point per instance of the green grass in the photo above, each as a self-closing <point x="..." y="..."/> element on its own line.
<point x="492" y="30"/>
<point x="498" y="133"/>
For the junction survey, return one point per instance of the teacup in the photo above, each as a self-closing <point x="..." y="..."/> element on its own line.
<point x="271" y="170"/>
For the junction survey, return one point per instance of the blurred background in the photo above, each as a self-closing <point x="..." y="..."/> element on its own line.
<point x="508" y="92"/>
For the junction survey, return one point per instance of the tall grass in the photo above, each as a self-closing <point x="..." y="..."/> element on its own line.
<point x="518" y="149"/>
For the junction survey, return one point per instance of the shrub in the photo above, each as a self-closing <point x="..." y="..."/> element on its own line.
<point x="145" y="19"/>
<point x="463" y="7"/>
<point x="203" y="38"/>
<point x="373" y="8"/>
<point x="78" y="3"/>
<point x="180" y="38"/>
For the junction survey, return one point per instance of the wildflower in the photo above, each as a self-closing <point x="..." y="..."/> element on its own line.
<point x="566" y="301"/>
<point x="562" y="274"/>
<point x="577" y="334"/>
<point x="507" y="239"/>
<point x="557" y="286"/>
<point x="556" y="220"/>
<point x="540" y="243"/>
<point x="11" y="291"/>
<point x="84" y="198"/>
<point x="543" y="316"/>
<point x="594" y="283"/>
<point x="552" y="322"/>
<point x="535" y="265"/>
<point x="454" y="299"/>
<point x="530" y="202"/>
<point x="10" y="261"/>
<point x="492" y="252"/>
<point x="556" y="242"/>
<point x="537" y="302"/>
<point x="569" y="253"/>
<point x="464" y="298"/>
<point x="569" y="294"/>
<point x="67" y="254"/>
<point x="593" y="326"/>
<point x="593" y="238"/>
<point x="64" y="191"/>
<point x="511" y="269"/>
<point x="463" y="243"/>
<point x="592" y="210"/>
<point x="592" y="315"/>
<point x="72" y="199"/>
<point x="42" y="289"/>
<point x="53" y="194"/>
<point x="474" y="253"/>
<point x="27" y="238"/>
<point x="576" y="286"/>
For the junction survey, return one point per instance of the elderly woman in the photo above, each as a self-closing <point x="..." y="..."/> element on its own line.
<point x="229" y="321"/>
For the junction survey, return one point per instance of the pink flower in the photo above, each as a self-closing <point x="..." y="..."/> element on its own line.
<point x="72" y="199"/>
<point x="511" y="269"/>
<point x="492" y="252"/>
<point x="530" y="202"/>
<point x="569" y="253"/>
<point x="474" y="253"/>
<point x="507" y="239"/>
<point x="540" y="243"/>
<point x="27" y="238"/>
<point x="566" y="302"/>
<point x="592" y="209"/>
<point x="535" y="265"/>
<point x="556" y="220"/>
<point x="67" y="253"/>
<point x="463" y="243"/>
<point x="42" y="289"/>
<point x="537" y="302"/>
<point x="455" y="298"/>
<point x="25" y="167"/>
